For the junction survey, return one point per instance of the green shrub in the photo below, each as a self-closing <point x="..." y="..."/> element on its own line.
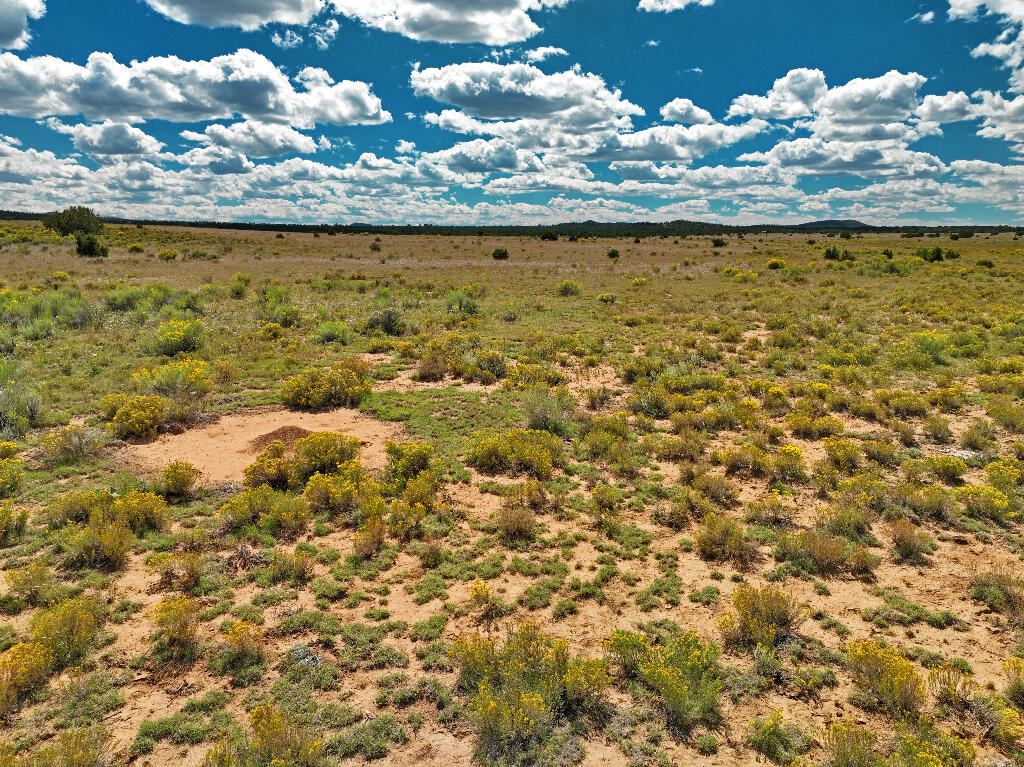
<point x="777" y="740"/>
<point x="332" y="333"/>
<point x="1002" y="591"/>
<point x="20" y="406"/>
<point x="522" y="689"/>
<point x="76" y="218"/>
<point x="70" y="445"/>
<point x="386" y="321"/>
<point x="551" y="410"/>
<point x="568" y="288"/>
<point x="722" y="539"/>
<point x="89" y="245"/>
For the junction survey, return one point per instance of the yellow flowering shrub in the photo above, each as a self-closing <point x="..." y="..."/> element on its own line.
<point x="101" y="543"/>
<point x="345" y="384"/>
<point x="788" y="464"/>
<point x="340" y="494"/>
<point x="951" y="687"/>
<point x="133" y="417"/>
<point x="12" y="523"/>
<point x="985" y="502"/>
<point x="849" y="745"/>
<point x="75" y="747"/>
<point x="66" y="629"/>
<point x="272" y="468"/>
<point x="176" y="336"/>
<point x="278" y="514"/>
<point x="181" y="378"/>
<point x="178" y="479"/>
<point x="889" y="679"/>
<point x="924" y="745"/>
<point x="369" y="538"/>
<point x="682" y="670"/>
<point x="406" y="519"/>
<point x="517" y="451"/>
<point x="1014" y="670"/>
<point x="69" y="445"/>
<point x="406" y="461"/>
<point x="1003" y="475"/>
<point x="12" y="472"/>
<point x="177" y="624"/>
<point x="278" y="740"/>
<point x="33" y="583"/>
<point x="140" y="511"/>
<point x="520" y="689"/>
<point x="323" y="452"/>
<point x="23" y="667"/>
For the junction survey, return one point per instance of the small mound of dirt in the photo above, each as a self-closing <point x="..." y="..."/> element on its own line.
<point x="287" y="434"/>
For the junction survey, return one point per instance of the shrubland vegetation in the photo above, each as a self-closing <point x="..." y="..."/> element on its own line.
<point x="678" y="500"/>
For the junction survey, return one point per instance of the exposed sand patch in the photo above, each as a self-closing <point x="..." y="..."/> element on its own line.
<point x="225" y="448"/>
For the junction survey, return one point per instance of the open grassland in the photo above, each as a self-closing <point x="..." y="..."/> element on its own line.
<point x="272" y="500"/>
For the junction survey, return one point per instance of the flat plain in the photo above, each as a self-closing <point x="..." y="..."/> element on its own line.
<point x="277" y="499"/>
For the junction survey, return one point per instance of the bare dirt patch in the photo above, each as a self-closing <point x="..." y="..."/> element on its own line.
<point x="225" y="448"/>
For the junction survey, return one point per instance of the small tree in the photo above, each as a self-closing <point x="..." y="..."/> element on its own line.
<point x="613" y="254"/>
<point x="73" y="220"/>
<point x="500" y="254"/>
<point x="90" y="245"/>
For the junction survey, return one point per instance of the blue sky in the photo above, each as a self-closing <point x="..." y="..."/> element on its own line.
<point x="515" y="111"/>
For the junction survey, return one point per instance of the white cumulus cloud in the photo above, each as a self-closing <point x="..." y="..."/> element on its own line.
<point x="493" y="22"/>
<point x="545" y="52"/>
<point x="245" y="14"/>
<point x="14" y="19"/>
<point x="255" y="139"/>
<point x="670" y="5"/>
<point x="243" y="83"/>
<point x="109" y="139"/>
<point x="686" y="112"/>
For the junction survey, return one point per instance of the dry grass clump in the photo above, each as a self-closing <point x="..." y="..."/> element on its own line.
<point x="761" y="617"/>
<point x="722" y="538"/>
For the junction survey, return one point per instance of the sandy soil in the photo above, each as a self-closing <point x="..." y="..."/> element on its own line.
<point x="225" y="448"/>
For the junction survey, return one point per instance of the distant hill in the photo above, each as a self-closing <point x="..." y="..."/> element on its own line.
<point x="835" y="223"/>
<point x="580" y="229"/>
